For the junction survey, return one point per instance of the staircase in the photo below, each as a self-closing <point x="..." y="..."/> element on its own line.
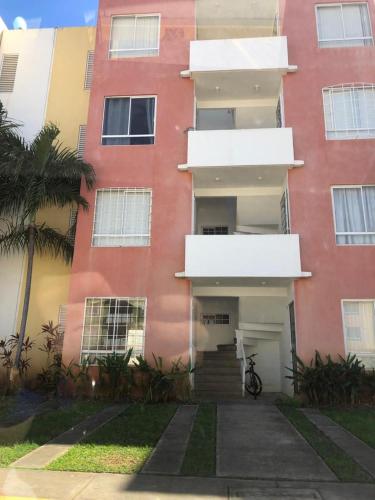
<point x="218" y="374"/>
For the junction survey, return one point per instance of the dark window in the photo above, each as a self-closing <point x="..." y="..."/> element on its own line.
<point x="216" y="319"/>
<point x="215" y="230"/>
<point x="129" y="121"/>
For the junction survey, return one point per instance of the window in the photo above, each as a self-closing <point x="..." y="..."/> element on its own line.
<point x="284" y="207"/>
<point x="215" y="230"/>
<point x="89" y="69"/>
<point x="72" y="224"/>
<point x="215" y="319"/>
<point x="349" y="111"/>
<point x="134" y="36"/>
<point x="81" y="141"/>
<point x="122" y="217"/>
<point x="129" y="121"/>
<point x="8" y="72"/>
<point x="113" y="325"/>
<point x="354" y="209"/>
<point x="61" y="323"/>
<point x="359" y="326"/>
<point x="344" y="25"/>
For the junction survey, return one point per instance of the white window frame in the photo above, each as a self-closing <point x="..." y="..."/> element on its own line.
<point x="128" y="135"/>
<point x="326" y="40"/>
<point x="132" y="189"/>
<point x="352" y="134"/>
<point x="106" y="352"/>
<point x="110" y="51"/>
<point x="369" y="233"/>
<point x="215" y="316"/>
<point x="358" y="353"/>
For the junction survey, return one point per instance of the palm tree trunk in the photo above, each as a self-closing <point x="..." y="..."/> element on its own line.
<point x="26" y="300"/>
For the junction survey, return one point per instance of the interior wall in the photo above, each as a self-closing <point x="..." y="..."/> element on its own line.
<point x="215" y="212"/>
<point x="207" y="337"/>
<point x="268" y="360"/>
<point x="258" y="211"/>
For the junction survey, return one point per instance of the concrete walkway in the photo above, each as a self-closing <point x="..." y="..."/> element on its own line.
<point x="84" y="486"/>
<point x="359" y="451"/>
<point x="42" y="456"/>
<point x="170" y="451"/>
<point x="257" y="441"/>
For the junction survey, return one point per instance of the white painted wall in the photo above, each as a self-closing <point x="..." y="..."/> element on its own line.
<point x="268" y="53"/>
<point x="273" y="146"/>
<point x="27" y="103"/>
<point x="276" y="255"/>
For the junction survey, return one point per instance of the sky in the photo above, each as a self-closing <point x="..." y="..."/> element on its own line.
<point x="50" y="13"/>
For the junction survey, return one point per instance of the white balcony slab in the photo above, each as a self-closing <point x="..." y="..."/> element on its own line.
<point x="243" y="256"/>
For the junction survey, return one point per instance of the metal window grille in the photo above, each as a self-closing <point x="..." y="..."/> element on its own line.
<point x="61" y="319"/>
<point x="344" y="25"/>
<point x="81" y="141"/>
<point x="122" y="217"/>
<point x="356" y="216"/>
<point x="349" y="111"/>
<point x="89" y="69"/>
<point x="8" y="72"/>
<point x="72" y="224"/>
<point x="135" y="36"/>
<point x="215" y="319"/>
<point x="215" y="230"/>
<point x="284" y="207"/>
<point x="113" y="325"/>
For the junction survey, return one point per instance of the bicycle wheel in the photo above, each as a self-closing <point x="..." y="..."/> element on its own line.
<point x="253" y="383"/>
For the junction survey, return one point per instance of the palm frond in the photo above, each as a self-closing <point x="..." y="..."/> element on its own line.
<point x="42" y="147"/>
<point x="12" y="196"/>
<point x="14" y="238"/>
<point x="49" y="241"/>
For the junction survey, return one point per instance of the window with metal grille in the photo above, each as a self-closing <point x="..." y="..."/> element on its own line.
<point x="81" y="141"/>
<point x="344" y="25"/>
<point x="122" y="217"/>
<point x="354" y="211"/>
<point x="284" y="207"/>
<point x="359" y="326"/>
<point x="129" y="121"/>
<point x="72" y="224"/>
<point x="349" y="111"/>
<point x="89" y="69"/>
<point x="8" y="72"/>
<point x="215" y="230"/>
<point x="135" y="36"/>
<point x="113" y="325"/>
<point x="215" y="319"/>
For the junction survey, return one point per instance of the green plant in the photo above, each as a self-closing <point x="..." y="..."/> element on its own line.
<point x="330" y="382"/>
<point x="8" y="348"/>
<point x="141" y="364"/>
<point x="114" y="370"/>
<point x="34" y="176"/>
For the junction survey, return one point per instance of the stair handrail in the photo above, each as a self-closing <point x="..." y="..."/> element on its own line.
<point x="241" y="355"/>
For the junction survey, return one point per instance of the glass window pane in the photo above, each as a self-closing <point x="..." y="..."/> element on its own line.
<point x="116" y="116"/>
<point x="356" y="21"/>
<point x="330" y="23"/>
<point x="369" y="201"/>
<point x="349" y="210"/>
<point x="142" y="116"/>
<point x="359" y="327"/>
<point x="122" y="35"/>
<point x="147" y="32"/>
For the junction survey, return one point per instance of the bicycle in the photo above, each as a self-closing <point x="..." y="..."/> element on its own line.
<point x="253" y="383"/>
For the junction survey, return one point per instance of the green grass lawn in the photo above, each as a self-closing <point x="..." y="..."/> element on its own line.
<point x="200" y="457"/>
<point x="23" y="437"/>
<point x="341" y="464"/>
<point x="123" y="445"/>
<point x="358" y="421"/>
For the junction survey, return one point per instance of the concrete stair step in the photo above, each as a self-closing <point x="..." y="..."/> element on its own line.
<point x="219" y="362"/>
<point x="219" y="355"/>
<point x="226" y="347"/>
<point x="218" y="386"/>
<point x="218" y="396"/>
<point x="227" y="378"/>
<point x="218" y="371"/>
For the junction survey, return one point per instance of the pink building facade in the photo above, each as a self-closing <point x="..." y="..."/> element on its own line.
<point x="234" y="205"/>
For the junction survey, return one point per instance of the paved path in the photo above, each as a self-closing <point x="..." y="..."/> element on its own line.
<point x="257" y="441"/>
<point x="42" y="456"/>
<point x="170" y="451"/>
<point x="88" y="486"/>
<point x="363" y="454"/>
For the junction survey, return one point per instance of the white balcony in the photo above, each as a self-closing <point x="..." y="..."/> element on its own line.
<point x="238" y="68"/>
<point x="243" y="256"/>
<point x="240" y="156"/>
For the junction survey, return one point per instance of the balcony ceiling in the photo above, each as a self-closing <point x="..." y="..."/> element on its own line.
<point x="235" y="19"/>
<point x="239" y="177"/>
<point x="239" y="85"/>
<point x="241" y="282"/>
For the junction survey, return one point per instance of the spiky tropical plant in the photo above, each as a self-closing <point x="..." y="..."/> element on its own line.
<point x="34" y="176"/>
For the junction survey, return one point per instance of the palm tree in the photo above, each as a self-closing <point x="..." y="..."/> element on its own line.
<point x="34" y="176"/>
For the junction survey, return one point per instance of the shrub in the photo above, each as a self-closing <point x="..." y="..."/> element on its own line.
<point x="330" y="382"/>
<point x="114" y="372"/>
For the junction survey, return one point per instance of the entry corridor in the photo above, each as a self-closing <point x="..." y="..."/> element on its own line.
<point x="257" y="441"/>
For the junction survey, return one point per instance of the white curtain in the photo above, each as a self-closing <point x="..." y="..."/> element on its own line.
<point x="134" y="36"/>
<point x="116" y="120"/>
<point x="330" y="25"/>
<point x="359" y="322"/>
<point x="122" y="218"/>
<point x="350" y="213"/>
